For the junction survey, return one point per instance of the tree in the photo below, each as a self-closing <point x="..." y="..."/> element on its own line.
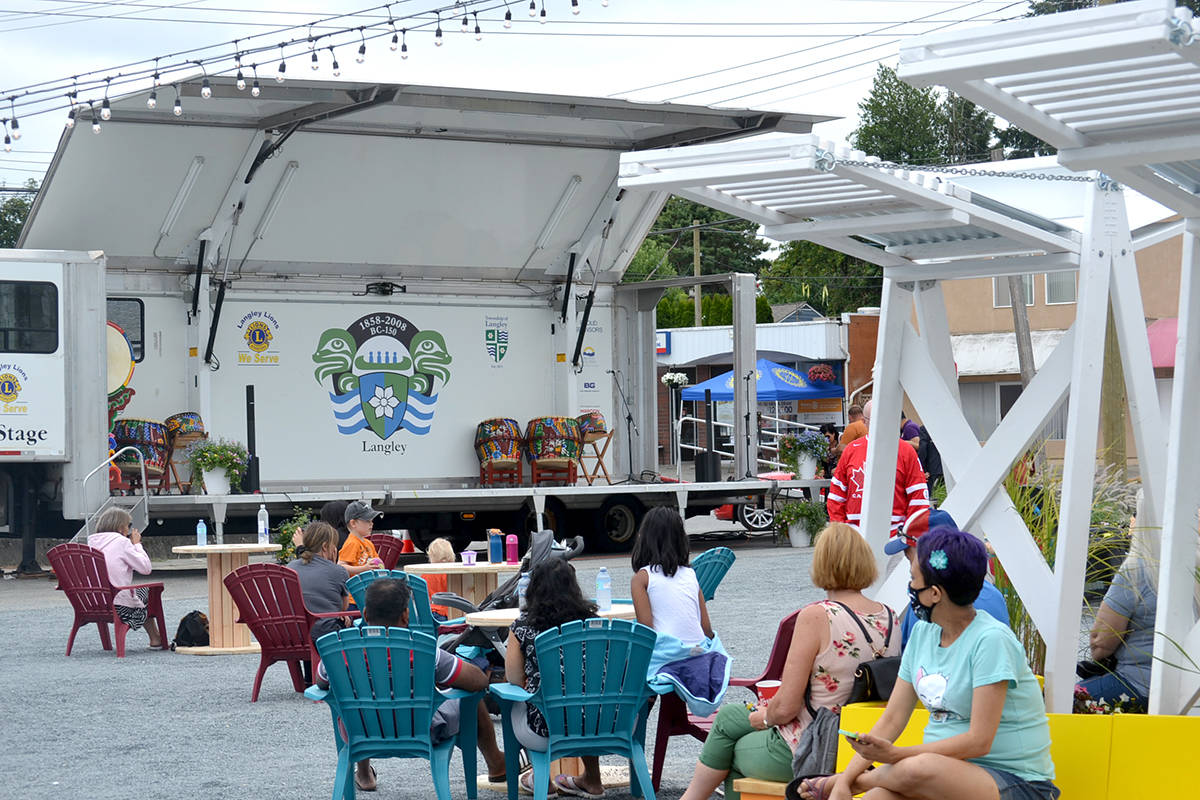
<point x="1018" y="143"/>
<point x="1041" y="7"/>
<point x="898" y="122"/>
<point x="965" y="130"/>
<point x="731" y="246"/>
<point x="830" y="281"/>
<point x="675" y="310"/>
<point x="13" y="212"/>
<point x="650" y="262"/>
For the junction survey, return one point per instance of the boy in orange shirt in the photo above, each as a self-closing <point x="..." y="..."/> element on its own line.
<point x="358" y="554"/>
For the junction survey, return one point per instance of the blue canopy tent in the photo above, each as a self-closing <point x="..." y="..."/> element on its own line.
<point x="775" y="383"/>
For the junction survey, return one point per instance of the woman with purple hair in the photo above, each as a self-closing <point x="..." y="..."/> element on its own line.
<point x="988" y="737"/>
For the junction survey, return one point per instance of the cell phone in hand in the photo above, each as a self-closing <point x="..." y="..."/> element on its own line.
<point x="848" y="734"/>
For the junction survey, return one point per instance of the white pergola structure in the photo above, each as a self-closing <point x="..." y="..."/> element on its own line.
<point x="923" y="230"/>
<point x="1116" y="88"/>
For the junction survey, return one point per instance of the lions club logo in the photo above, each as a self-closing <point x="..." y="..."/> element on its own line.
<point x="10" y="387"/>
<point x="258" y="336"/>
<point x="382" y="373"/>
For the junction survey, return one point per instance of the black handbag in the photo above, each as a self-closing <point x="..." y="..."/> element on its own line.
<point x="874" y="680"/>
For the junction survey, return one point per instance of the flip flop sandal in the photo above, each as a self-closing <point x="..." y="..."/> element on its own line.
<point x="525" y="785"/>
<point x="566" y="785"/>
<point x="362" y="786"/>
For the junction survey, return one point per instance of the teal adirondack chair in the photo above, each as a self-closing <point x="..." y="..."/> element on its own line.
<point x="710" y="567"/>
<point x="596" y="704"/>
<point x="381" y="690"/>
<point x="420" y="615"/>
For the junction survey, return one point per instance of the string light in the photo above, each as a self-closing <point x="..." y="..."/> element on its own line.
<point x="178" y="109"/>
<point x="70" y="123"/>
<point x="542" y="16"/>
<point x="152" y="100"/>
<point x="336" y="69"/>
<point x="507" y="16"/>
<point x="466" y="26"/>
<point x="574" y="6"/>
<point x="205" y="86"/>
<point x="315" y="64"/>
<point x="255" y="89"/>
<point x="362" y="47"/>
<point x="105" y="108"/>
<point x="157" y="77"/>
<point x="604" y="3"/>
<point x="533" y="8"/>
<point x="404" y="43"/>
<point x="7" y="140"/>
<point x="282" y="72"/>
<point x="312" y="42"/>
<point x="395" y="36"/>
<point x="95" y="119"/>
<point x="437" y="35"/>
<point x="16" y="126"/>
<point x="478" y="30"/>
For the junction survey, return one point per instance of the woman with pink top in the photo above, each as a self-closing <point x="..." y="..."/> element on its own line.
<point x="121" y="544"/>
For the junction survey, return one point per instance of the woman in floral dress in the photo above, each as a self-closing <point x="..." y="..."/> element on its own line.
<point x="832" y="637"/>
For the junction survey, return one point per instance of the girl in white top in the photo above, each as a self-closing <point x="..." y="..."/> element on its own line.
<point x="666" y="594"/>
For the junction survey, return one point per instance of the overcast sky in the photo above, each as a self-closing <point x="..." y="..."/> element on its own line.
<point x="813" y="56"/>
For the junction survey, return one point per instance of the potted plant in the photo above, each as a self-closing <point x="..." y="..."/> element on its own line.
<point x="674" y="380"/>
<point x="803" y="520"/>
<point x="286" y="532"/>
<point x="803" y="452"/>
<point x="222" y="463"/>
<point x="822" y="373"/>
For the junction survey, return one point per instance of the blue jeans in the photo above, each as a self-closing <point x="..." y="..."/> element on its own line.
<point x="1110" y="686"/>
<point x="1013" y="787"/>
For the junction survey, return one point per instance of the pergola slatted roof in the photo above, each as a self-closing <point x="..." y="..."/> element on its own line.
<point x="802" y="187"/>
<point x="1113" y="88"/>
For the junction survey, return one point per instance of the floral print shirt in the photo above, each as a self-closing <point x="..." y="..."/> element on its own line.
<point x="833" y="669"/>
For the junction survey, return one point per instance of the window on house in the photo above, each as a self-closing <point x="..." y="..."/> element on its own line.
<point x="1060" y="287"/>
<point x="28" y="317"/>
<point x="130" y="314"/>
<point x="1054" y="428"/>
<point x="1000" y="298"/>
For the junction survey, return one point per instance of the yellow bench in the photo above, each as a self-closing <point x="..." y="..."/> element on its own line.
<point x="1095" y="756"/>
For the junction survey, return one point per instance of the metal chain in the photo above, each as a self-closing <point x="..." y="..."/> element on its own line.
<point x="971" y="171"/>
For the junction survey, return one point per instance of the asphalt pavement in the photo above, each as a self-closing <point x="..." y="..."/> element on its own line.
<point x="163" y="725"/>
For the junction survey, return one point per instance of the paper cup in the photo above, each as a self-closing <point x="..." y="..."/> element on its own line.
<point x="468" y="557"/>
<point x="766" y="689"/>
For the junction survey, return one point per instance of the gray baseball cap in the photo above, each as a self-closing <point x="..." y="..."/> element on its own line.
<point x="361" y="509"/>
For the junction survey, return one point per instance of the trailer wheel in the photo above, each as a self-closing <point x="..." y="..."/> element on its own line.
<point x="616" y="523"/>
<point x="755" y="517"/>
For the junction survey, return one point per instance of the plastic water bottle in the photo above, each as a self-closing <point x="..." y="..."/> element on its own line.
<point x="495" y="546"/>
<point x="264" y="524"/>
<point x="603" y="589"/>
<point x="522" y="587"/>
<point x="201" y="533"/>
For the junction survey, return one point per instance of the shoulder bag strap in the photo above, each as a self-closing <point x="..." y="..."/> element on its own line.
<point x="888" y="639"/>
<point x="863" y="628"/>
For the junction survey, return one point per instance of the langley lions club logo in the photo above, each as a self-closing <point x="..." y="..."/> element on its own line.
<point x="382" y="373"/>
<point x="10" y="387"/>
<point x="495" y="337"/>
<point x="258" y="336"/>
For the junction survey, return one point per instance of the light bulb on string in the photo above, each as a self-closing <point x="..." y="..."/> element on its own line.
<point x="437" y="35"/>
<point x="362" y="47"/>
<point x="604" y="3"/>
<point x="404" y="43"/>
<point x="152" y="100"/>
<point x="316" y="65"/>
<point x="205" y="85"/>
<point x="105" y="108"/>
<point x="533" y="8"/>
<point x="312" y="42"/>
<point x="240" y="80"/>
<point x="255" y="89"/>
<point x="574" y="6"/>
<point x="507" y="16"/>
<point x="7" y="139"/>
<point x="478" y="30"/>
<point x="542" y="15"/>
<point x="178" y="109"/>
<point x="466" y="26"/>
<point x="16" y="126"/>
<point x="157" y="77"/>
<point x="70" y="123"/>
<point x="395" y="36"/>
<point x="95" y="119"/>
<point x="337" y="70"/>
<point x="281" y="73"/>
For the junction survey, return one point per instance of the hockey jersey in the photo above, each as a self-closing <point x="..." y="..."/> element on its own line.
<point x="844" y="501"/>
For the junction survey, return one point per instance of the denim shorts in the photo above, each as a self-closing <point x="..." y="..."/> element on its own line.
<point x="1013" y="787"/>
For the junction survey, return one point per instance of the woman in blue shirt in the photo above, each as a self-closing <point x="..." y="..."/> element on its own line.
<point x="988" y="737"/>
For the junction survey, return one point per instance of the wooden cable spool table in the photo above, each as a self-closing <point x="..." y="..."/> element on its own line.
<point x="225" y="635"/>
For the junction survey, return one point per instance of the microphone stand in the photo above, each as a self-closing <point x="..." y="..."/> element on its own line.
<point x="630" y="428"/>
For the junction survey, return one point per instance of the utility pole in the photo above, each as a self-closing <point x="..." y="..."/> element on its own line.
<point x="696" y="265"/>
<point x="1112" y="401"/>
<point x="1016" y="295"/>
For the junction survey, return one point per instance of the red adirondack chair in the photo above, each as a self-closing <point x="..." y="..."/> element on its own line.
<point x="389" y="548"/>
<point x="673" y="716"/>
<point x="271" y="603"/>
<point x="83" y="575"/>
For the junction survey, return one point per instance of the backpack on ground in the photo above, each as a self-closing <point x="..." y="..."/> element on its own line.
<point x="192" y="631"/>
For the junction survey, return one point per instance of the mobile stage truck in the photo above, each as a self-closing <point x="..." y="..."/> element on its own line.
<point x="353" y="276"/>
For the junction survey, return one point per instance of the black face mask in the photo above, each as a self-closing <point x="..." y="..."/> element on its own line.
<point x="922" y="612"/>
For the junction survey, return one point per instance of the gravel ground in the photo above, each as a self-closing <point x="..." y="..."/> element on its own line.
<point x="155" y="724"/>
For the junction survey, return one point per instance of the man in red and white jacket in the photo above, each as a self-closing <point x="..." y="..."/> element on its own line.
<point x="844" y="500"/>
